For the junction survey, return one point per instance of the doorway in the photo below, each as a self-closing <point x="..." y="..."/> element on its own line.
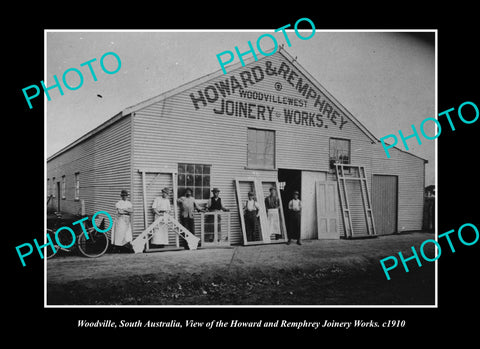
<point x="289" y="181"/>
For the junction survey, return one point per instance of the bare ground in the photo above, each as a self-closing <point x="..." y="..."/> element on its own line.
<point x="318" y="272"/>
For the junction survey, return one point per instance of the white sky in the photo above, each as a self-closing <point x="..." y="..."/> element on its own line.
<point x="386" y="80"/>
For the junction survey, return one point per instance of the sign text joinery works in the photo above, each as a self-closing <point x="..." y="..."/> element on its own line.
<point x="327" y="114"/>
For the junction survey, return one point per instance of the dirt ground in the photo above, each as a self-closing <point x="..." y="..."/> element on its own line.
<point x="317" y="272"/>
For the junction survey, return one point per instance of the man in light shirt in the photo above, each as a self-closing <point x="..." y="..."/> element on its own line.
<point x="251" y="213"/>
<point x="295" y="209"/>
<point x="188" y="206"/>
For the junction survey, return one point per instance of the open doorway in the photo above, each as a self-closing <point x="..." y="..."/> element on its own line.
<point x="289" y="181"/>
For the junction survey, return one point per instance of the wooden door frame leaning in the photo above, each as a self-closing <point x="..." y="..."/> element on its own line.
<point x="258" y="189"/>
<point x="365" y="195"/>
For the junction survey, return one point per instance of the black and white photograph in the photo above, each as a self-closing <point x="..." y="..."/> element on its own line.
<point x="179" y="175"/>
<point x="254" y="183"/>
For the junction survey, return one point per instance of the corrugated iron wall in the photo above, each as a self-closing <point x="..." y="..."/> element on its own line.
<point x="173" y="131"/>
<point x="411" y="181"/>
<point x="384" y="203"/>
<point x="103" y="163"/>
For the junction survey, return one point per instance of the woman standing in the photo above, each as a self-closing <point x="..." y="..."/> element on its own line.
<point x="160" y="206"/>
<point x="122" y="229"/>
<point x="272" y="203"/>
<point x="295" y="209"/>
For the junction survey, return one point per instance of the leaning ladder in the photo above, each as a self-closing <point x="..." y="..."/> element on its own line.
<point x="141" y="240"/>
<point x="365" y="194"/>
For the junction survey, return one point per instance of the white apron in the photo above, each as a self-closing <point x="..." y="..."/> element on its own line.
<point x="160" y="234"/>
<point x="122" y="230"/>
<point x="273" y="223"/>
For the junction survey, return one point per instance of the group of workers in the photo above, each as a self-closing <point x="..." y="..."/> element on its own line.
<point x="251" y="210"/>
<point x="122" y="230"/>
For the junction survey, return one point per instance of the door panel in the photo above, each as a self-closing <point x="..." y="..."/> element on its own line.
<point x="384" y="203"/>
<point x="309" y="212"/>
<point x="327" y="214"/>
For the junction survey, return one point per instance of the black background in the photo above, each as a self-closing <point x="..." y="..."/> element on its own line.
<point x="23" y="172"/>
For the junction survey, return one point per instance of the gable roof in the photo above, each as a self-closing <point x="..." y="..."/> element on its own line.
<point x="231" y="68"/>
<point x="238" y="65"/>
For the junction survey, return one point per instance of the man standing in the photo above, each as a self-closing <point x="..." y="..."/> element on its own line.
<point x="215" y="205"/>
<point x="251" y="211"/>
<point x="215" y="202"/>
<point x="160" y="206"/>
<point x="295" y="209"/>
<point x="188" y="206"/>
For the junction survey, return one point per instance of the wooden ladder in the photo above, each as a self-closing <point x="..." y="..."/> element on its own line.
<point x="141" y="240"/>
<point x="367" y="204"/>
<point x="365" y="194"/>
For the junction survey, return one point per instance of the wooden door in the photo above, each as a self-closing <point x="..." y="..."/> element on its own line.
<point x="309" y="213"/>
<point x="262" y="235"/>
<point x="327" y="213"/>
<point x="384" y="203"/>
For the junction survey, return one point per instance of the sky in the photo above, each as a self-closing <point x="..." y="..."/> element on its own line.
<point x="385" y="79"/>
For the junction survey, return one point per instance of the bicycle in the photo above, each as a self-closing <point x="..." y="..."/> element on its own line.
<point x="95" y="246"/>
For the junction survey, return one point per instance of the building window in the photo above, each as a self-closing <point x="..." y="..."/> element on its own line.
<point x="77" y="186"/>
<point x="260" y="149"/>
<point x="53" y="187"/>
<point x="339" y="151"/>
<point x="195" y="177"/>
<point x="49" y="191"/>
<point x="63" y="187"/>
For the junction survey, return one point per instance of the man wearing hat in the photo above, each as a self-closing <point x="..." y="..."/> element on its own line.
<point x="160" y="206"/>
<point x="215" y="204"/>
<point x="295" y="209"/>
<point x="187" y="208"/>
<point x="122" y="229"/>
<point x="251" y="213"/>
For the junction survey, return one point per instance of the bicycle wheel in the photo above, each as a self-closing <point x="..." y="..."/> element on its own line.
<point x="95" y="246"/>
<point x="48" y="251"/>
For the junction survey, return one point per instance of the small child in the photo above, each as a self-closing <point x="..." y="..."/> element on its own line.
<point x="295" y="208"/>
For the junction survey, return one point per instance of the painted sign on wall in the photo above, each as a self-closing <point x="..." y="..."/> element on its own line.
<point x="219" y="92"/>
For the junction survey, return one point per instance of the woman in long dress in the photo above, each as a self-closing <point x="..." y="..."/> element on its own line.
<point x="272" y="204"/>
<point x="122" y="229"/>
<point x="160" y="206"/>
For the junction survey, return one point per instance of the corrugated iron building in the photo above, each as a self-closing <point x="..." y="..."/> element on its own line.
<point x="269" y="119"/>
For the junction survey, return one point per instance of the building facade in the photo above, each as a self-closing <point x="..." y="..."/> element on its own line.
<point x="268" y="120"/>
